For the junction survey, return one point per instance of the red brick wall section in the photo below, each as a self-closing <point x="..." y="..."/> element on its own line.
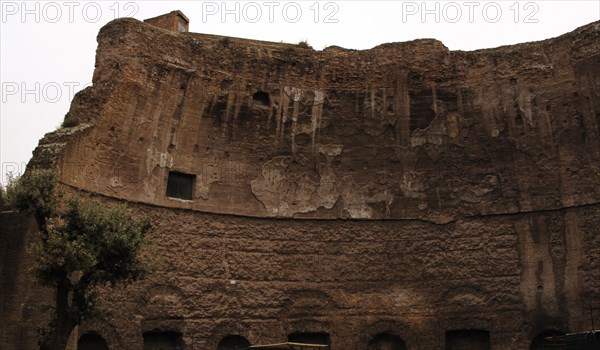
<point x="407" y="189"/>
<point x="170" y="21"/>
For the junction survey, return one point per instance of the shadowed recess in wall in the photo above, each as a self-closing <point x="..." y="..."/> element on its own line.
<point x="91" y="341"/>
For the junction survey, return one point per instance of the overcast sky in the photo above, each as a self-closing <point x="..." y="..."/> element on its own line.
<point x="47" y="48"/>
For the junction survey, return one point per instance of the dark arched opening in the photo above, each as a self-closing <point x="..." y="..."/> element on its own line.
<point x="310" y="338"/>
<point x="385" y="341"/>
<point x="541" y="343"/>
<point x="91" y="341"/>
<point x="163" y="341"/>
<point x="233" y="342"/>
<point x="261" y="99"/>
<point x="468" y="339"/>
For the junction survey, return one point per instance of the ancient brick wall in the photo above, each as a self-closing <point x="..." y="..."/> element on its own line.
<point x="21" y="298"/>
<point x="402" y="131"/>
<point x="405" y="195"/>
<point x="513" y="276"/>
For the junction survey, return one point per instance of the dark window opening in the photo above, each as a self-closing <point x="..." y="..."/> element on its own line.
<point x="233" y="342"/>
<point x="310" y="338"/>
<point x="541" y="343"/>
<point x="261" y="98"/>
<point x="163" y="341"/>
<point x="386" y="341"/>
<point x="468" y="339"/>
<point x="91" y="341"/>
<point x="180" y="185"/>
<point x="422" y="113"/>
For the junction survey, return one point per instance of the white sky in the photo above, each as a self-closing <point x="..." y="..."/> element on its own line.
<point x="47" y="48"/>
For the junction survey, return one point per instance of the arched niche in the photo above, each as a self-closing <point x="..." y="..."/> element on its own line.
<point x="157" y="340"/>
<point x="91" y="341"/>
<point x="322" y="338"/>
<point x="468" y="339"/>
<point x="540" y="342"/>
<point x="233" y="342"/>
<point x="386" y="341"/>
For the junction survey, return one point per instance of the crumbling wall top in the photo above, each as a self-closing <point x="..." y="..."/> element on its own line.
<point x="401" y="131"/>
<point x="175" y="21"/>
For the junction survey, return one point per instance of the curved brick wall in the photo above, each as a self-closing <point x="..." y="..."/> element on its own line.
<point x="440" y="198"/>
<point x="401" y="131"/>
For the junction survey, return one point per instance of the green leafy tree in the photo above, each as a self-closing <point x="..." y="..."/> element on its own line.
<point x="305" y="45"/>
<point x="83" y="244"/>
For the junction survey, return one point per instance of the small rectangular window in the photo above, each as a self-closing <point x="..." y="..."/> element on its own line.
<point x="181" y="26"/>
<point x="180" y="185"/>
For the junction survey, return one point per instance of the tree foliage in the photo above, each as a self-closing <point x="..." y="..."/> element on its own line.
<point x="304" y="44"/>
<point x="34" y="193"/>
<point x="100" y="242"/>
<point x="83" y="244"/>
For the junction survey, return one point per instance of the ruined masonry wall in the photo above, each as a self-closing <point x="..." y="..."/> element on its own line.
<point x="405" y="189"/>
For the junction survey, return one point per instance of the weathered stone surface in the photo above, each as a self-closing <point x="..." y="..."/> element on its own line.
<point x="404" y="130"/>
<point x="215" y="275"/>
<point x="468" y="182"/>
